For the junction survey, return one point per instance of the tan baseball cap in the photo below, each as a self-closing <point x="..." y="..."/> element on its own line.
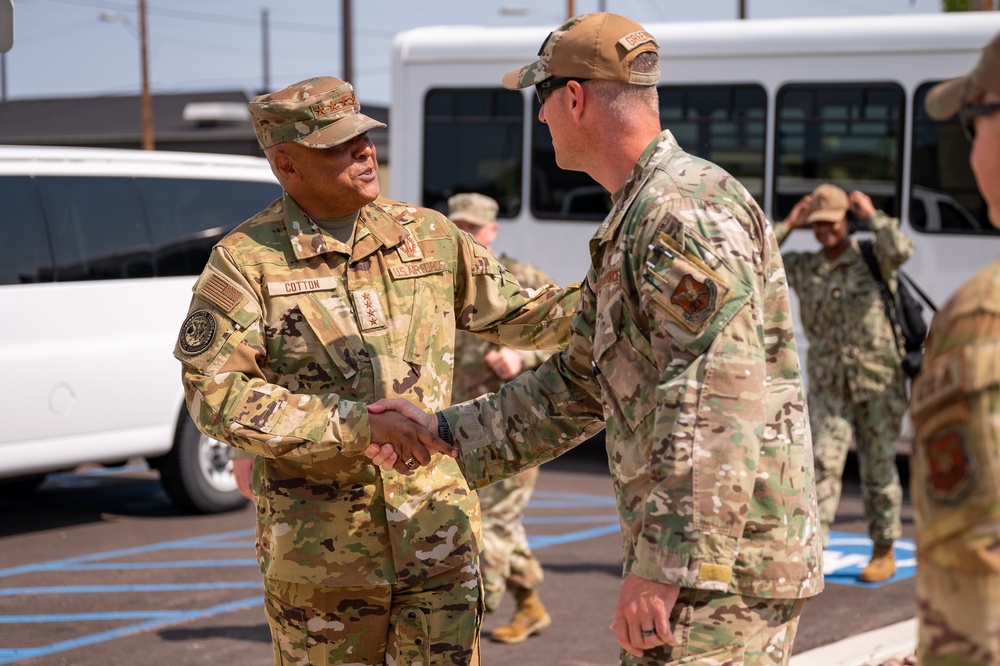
<point x="945" y="99"/>
<point x="829" y="204"/>
<point x="590" y="46"/>
<point x="319" y="113"/>
<point x="477" y="209"/>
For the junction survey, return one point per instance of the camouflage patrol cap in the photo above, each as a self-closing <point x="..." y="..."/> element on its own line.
<point x="477" y="209"/>
<point x="829" y="204"/>
<point x="590" y="46"/>
<point x="321" y="112"/>
<point x="945" y="99"/>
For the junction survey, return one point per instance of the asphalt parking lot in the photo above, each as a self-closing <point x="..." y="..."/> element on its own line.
<point x="98" y="568"/>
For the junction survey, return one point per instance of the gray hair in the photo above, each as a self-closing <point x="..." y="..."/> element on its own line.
<point x="620" y="98"/>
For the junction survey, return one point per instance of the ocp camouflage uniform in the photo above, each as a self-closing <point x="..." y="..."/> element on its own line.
<point x="685" y="337"/>
<point x="290" y="334"/>
<point x="856" y="383"/>
<point x="956" y="479"/>
<point x="506" y="555"/>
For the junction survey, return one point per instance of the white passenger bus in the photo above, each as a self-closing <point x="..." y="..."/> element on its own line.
<point x="781" y="104"/>
<point x="98" y="256"/>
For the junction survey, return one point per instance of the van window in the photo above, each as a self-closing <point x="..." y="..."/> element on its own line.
<point x="943" y="197"/>
<point x="472" y="143"/>
<point x="97" y="228"/>
<point x="850" y="134"/>
<point x="187" y="217"/>
<point x="25" y="256"/>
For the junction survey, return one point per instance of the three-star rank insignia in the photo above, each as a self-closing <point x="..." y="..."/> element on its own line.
<point x="197" y="332"/>
<point x="696" y="299"/>
<point x="952" y="471"/>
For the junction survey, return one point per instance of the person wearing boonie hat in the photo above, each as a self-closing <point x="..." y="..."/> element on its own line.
<point x="506" y="560"/>
<point x="307" y="313"/>
<point x="668" y="353"/>
<point x="954" y="402"/>
<point x="857" y="386"/>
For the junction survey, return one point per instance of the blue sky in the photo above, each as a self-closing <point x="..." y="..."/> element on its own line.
<point x="63" y="48"/>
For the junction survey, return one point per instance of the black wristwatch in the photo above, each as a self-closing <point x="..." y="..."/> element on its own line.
<point x="444" y="430"/>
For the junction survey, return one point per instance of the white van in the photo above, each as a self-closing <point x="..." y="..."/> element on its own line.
<point x="98" y="253"/>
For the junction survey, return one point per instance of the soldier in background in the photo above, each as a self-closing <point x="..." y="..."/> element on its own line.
<point x="683" y="342"/>
<point x="506" y="560"/>
<point x="857" y="389"/>
<point x="955" y="406"/>
<point x="327" y="300"/>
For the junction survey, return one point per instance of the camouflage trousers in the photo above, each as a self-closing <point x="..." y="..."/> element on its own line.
<point x="506" y="557"/>
<point x="716" y="629"/>
<point x="433" y="623"/>
<point x="959" y="616"/>
<point x="875" y="425"/>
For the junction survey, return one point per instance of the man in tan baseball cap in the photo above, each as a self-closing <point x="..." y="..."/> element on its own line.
<point x="956" y="444"/>
<point x="683" y="265"/>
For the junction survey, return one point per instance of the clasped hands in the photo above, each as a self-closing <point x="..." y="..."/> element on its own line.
<point x="403" y="436"/>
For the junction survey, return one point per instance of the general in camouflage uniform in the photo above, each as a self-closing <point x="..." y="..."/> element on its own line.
<point x="481" y="366"/>
<point x="857" y="387"/>
<point x="955" y="404"/>
<point x="327" y="300"/>
<point x="683" y="345"/>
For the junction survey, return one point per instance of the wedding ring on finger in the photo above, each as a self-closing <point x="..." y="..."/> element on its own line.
<point x="410" y="462"/>
<point x="646" y="633"/>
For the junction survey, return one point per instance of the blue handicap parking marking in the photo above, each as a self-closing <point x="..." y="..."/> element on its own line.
<point x="601" y="517"/>
<point x="848" y="554"/>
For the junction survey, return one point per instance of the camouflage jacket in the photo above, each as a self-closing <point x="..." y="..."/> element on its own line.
<point x="291" y="333"/>
<point x="955" y="405"/>
<point x="684" y="335"/>
<point x="473" y="377"/>
<point x="851" y="339"/>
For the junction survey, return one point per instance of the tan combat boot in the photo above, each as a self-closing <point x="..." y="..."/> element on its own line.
<point x="529" y="618"/>
<point x="882" y="565"/>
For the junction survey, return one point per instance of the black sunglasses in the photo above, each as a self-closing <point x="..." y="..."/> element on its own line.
<point x="546" y="87"/>
<point x="967" y="113"/>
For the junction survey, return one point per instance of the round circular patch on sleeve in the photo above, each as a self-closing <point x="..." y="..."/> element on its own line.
<point x="197" y="332"/>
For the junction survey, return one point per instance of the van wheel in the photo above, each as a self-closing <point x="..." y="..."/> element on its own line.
<point x="197" y="473"/>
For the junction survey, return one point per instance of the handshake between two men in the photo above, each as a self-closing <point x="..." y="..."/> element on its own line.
<point x="413" y="434"/>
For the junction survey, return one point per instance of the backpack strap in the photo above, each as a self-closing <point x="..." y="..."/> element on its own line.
<point x="888" y="299"/>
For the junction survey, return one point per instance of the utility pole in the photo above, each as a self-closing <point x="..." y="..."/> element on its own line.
<point x="743" y="9"/>
<point x="348" y="47"/>
<point x="570" y="11"/>
<point x="265" y="40"/>
<point x="147" y="100"/>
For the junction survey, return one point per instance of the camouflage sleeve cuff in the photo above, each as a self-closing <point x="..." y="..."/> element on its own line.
<point x="880" y="221"/>
<point x="705" y="564"/>
<point x="464" y="420"/>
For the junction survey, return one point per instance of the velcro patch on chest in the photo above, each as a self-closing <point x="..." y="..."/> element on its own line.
<point x="952" y="470"/>
<point x="369" y="309"/>
<point x="690" y="291"/>
<point x="941" y="380"/>
<point x="409" y="249"/>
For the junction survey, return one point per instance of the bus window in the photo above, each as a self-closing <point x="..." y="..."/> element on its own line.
<point x="943" y="196"/>
<point x="97" y="228"/>
<point x="187" y="217"/>
<point x="848" y="134"/>
<point x="24" y="255"/>
<point x="557" y="194"/>
<point x="724" y="124"/>
<point x="472" y="143"/>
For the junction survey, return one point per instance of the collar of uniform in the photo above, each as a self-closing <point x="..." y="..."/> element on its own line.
<point x="659" y="149"/>
<point x="381" y="225"/>
<point x="307" y="239"/>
